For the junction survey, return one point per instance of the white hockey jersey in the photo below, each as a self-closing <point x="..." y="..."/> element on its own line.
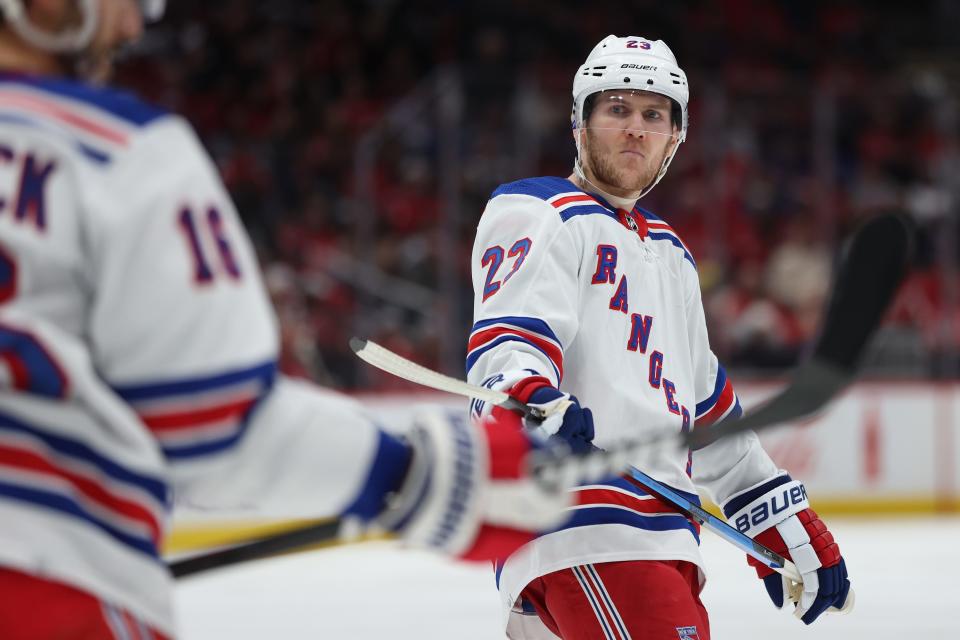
<point x="138" y="352"/>
<point x="606" y="304"/>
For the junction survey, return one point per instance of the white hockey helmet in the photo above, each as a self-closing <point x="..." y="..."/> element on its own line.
<point x="632" y="63"/>
<point x="71" y="40"/>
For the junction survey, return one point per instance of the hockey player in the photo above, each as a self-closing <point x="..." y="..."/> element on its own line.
<point x="138" y="361"/>
<point x="583" y="298"/>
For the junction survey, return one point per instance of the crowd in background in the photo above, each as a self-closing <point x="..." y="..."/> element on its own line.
<point x="805" y="118"/>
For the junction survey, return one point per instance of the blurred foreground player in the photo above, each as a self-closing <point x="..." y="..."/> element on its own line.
<point x="137" y="361"/>
<point x="577" y="290"/>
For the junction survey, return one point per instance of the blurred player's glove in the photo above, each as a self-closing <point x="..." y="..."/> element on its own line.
<point x="468" y="491"/>
<point x="565" y="419"/>
<point x="776" y="513"/>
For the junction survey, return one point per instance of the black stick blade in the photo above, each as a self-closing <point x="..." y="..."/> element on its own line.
<point x="812" y="386"/>
<point x="321" y="532"/>
<point x="870" y="272"/>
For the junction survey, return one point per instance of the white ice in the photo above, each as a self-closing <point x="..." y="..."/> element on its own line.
<point x="901" y="569"/>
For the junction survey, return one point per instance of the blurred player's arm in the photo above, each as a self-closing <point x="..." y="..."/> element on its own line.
<point x="195" y="357"/>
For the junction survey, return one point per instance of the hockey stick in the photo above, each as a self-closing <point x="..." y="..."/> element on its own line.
<point x="868" y="276"/>
<point x="399" y="366"/>
<point x="268" y="546"/>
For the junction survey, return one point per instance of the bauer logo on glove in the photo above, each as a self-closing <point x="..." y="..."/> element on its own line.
<point x="791" y="528"/>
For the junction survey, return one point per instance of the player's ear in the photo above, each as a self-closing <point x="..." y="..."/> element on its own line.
<point x="674" y="139"/>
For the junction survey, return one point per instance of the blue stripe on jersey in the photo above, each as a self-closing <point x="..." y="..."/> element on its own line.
<point x="97" y="155"/>
<point x="586" y="516"/>
<point x="736" y="412"/>
<point x="207" y="447"/>
<point x="44" y="377"/>
<point x="474" y="355"/>
<point x="69" y="506"/>
<point x="721" y="382"/>
<point x="586" y="210"/>
<point x="74" y="449"/>
<point x="535" y="325"/>
<point x="665" y="236"/>
<point x="544" y="187"/>
<point x="266" y="372"/>
<point x="747" y="497"/>
<point x="627" y="485"/>
<point x="121" y="104"/>
<point x="526" y="606"/>
<point x="675" y="241"/>
<point x="613" y="515"/>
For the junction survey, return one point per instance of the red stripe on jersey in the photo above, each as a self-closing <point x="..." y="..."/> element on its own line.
<point x="131" y="625"/>
<point x="580" y="197"/>
<point x="33" y="462"/>
<point x="46" y="107"/>
<point x="724" y="402"/>
<point x="663" y="226"/>
<point x="656" y="224"/>
<point x="198" y="417"/>
<point x="595" y="496"/>
<point x="18" y="370"/>
<point x="554" y="352"/>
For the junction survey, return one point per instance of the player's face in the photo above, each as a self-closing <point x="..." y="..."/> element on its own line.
<point x="120" y="23"/>
<point x="626" y="139"/>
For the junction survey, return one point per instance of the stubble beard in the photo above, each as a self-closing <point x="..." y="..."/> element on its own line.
<point x="606" y="172"/>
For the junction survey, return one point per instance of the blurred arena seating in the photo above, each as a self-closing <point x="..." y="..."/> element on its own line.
<point x="360" y="141"/>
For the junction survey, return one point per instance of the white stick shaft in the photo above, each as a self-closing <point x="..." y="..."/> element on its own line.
<point x="388" y="361"/>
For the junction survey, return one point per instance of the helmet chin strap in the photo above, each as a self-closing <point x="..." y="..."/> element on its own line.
<point x="582" y="175"/>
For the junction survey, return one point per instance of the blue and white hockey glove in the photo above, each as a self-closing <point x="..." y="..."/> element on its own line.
<point x="566" y="420"/>
<point x="466" y="489"/>
<point x="776" y="513"/>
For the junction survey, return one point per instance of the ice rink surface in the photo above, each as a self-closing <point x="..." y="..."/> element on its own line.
<point x="901" y="569"/>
